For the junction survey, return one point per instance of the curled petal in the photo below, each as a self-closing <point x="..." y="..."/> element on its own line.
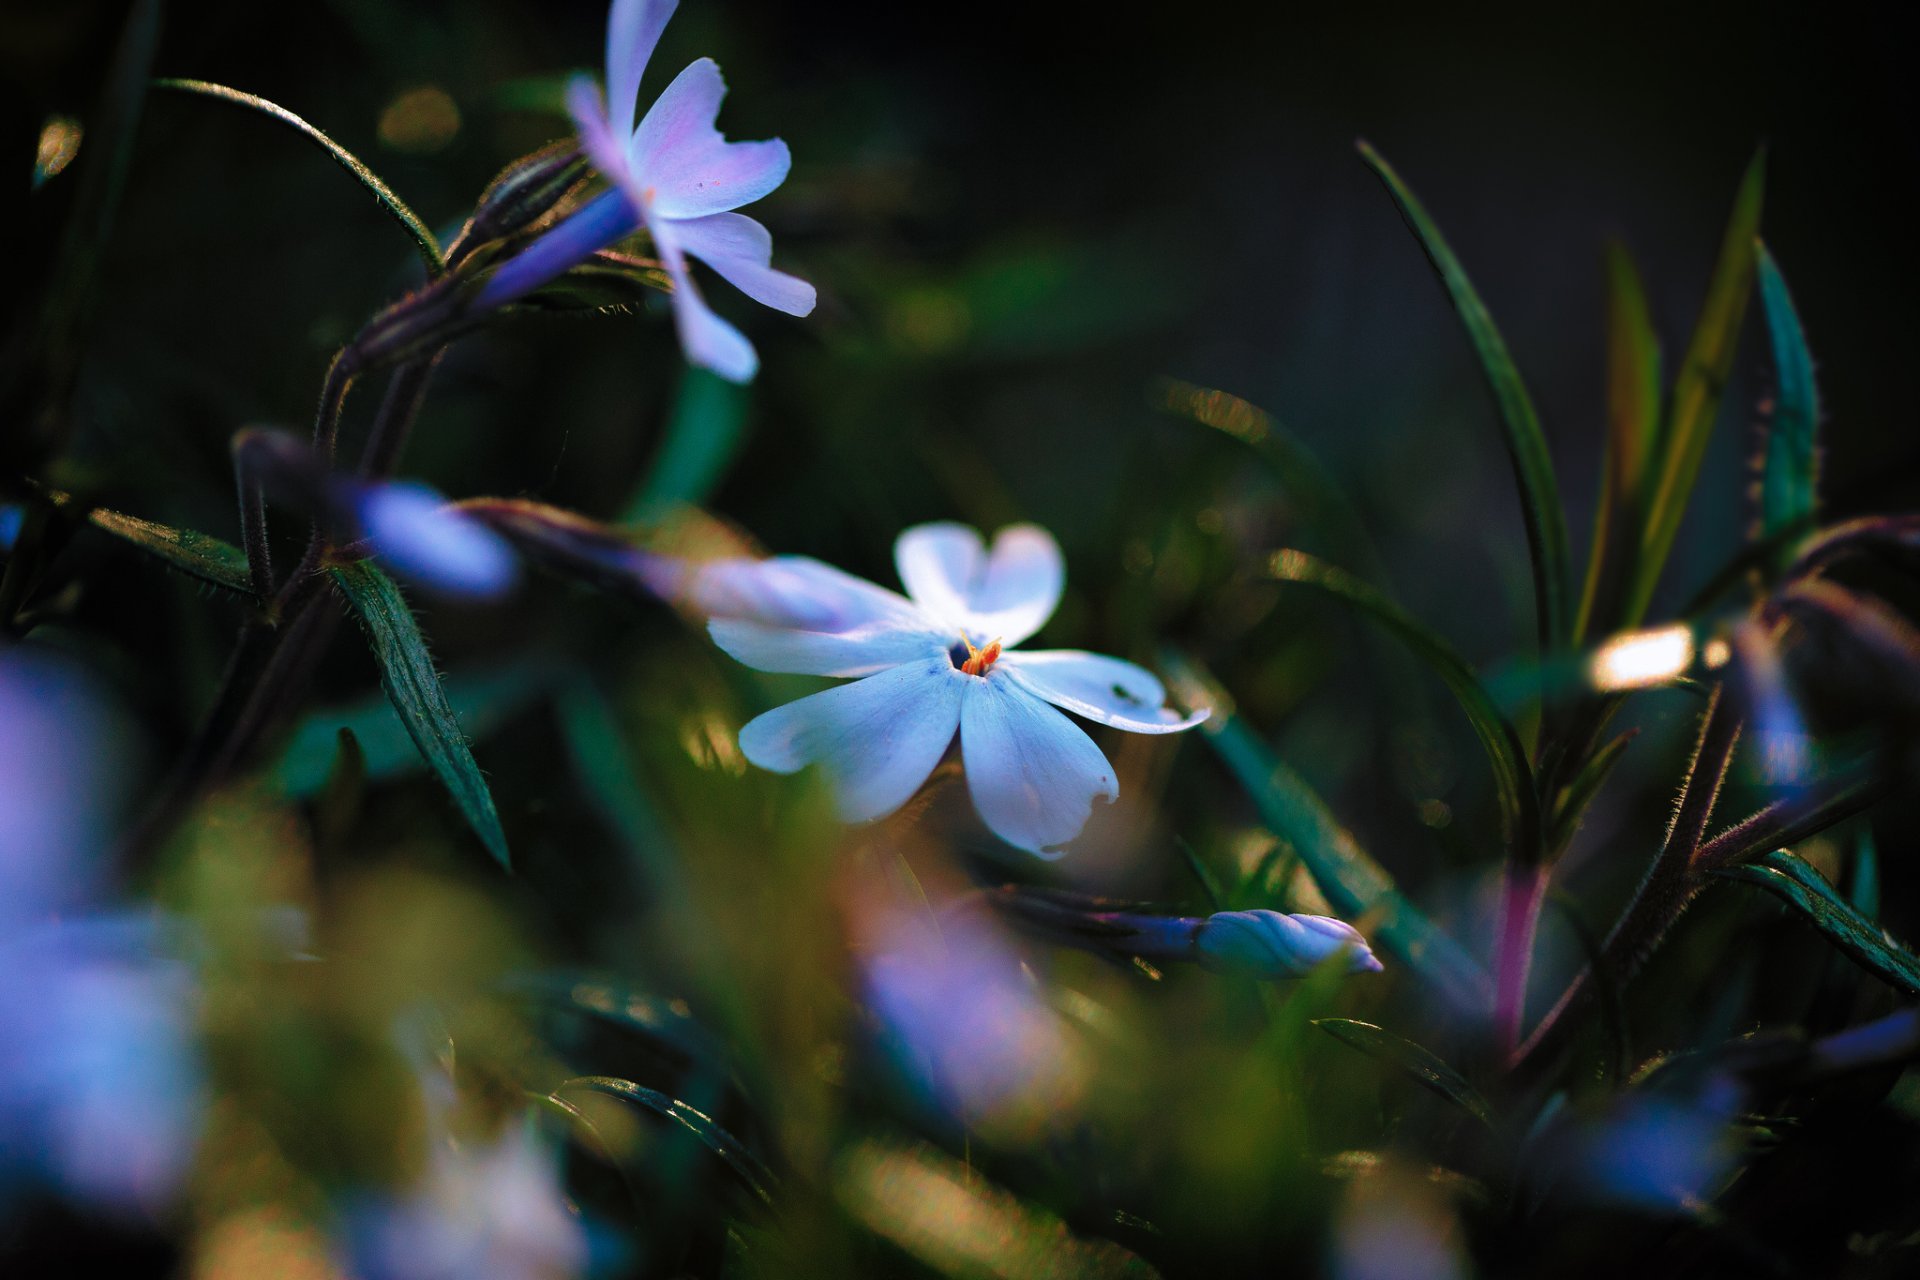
<point x="1271" y="944"/>
<point x="633" y="29"/>
<point x="1007" y="594"/>
<point x="877" y="739"/>
<point x="688" y="169"/>
<point x="1105" y="690"/>
<point x="708" y="341"/>
<point x="1033" y="774"/>
<point x="741" y="250"/>
<point x="860" y="652"/>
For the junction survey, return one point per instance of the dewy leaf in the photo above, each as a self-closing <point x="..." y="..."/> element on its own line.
<point x="406" y="669"/>
<point x="1512" y="777"/>
<point x="1540" y="506"/>
<point x="701" y="439"/>
<point x="1633" y="429"/>
<point x="423" y="239"/>
<point x="1789" y="457"/>
<point x="207" y="558"/>
<point x="1804" y="889"/>
<point x="1420" y="1063"/>
<point x="1354" y="884"/>
<point x="1696" y="392"/>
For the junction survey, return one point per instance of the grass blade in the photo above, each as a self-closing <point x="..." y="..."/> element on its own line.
<point x="1423" y="1065"/>
<point x="413" y="686"/>
<point x="1789" y="461"/>
<point x="199" y="555"/>
<point x="1804" y="889"/>
<point x="703" y="435"/>
<point x="746" y="1167"/>
<point x="1540" y="506"/>
<point x="1633" y="429"/>
<point x="1353" y="883"/>
<point x="1697" y="390"/>
<point x="423" y="239"/>
<point x="1513" y="779"/>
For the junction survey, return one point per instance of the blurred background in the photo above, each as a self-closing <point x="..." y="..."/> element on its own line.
<point x="1022" y="220"/>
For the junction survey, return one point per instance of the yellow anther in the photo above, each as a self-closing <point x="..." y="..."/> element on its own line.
<point x="979" y="661"/>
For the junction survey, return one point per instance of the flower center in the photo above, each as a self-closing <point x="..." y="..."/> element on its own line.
<point x="975" y="662"/>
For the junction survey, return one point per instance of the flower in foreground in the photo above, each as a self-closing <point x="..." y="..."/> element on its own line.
<point x="678" y="177"/>
<point x="428" y="540"/>
<point x="937" y="661"/>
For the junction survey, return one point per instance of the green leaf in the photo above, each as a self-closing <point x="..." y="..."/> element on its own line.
<point x="1697" y="391"/>
<point x="1789" y="460"/>
<point x="1353" y="883"/>
<point x="1586" y="784"/>
<point x="1633" y="430"/>
<point x="1540" y="506"/>
<point x="413" y="686"/>
<point x="746" y="1168"/>
<point x="482" y="700"/>
<point x="207" y="558"/>
<point x="1804" y="889"/>
<point x="423" y="239"/>
<point x="1513" y="779"/>
<point x="1421" y="1064"/>
<point x="604" y="766"/>
<point x="702" y="437"/>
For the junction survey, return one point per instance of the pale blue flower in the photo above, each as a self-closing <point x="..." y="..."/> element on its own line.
<point x="678" y="177"/>
<point x="937" y="661"/>
<point x="429" y="541"/>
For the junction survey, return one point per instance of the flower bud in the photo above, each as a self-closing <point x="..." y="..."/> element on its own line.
<point x="1271" y="944"/>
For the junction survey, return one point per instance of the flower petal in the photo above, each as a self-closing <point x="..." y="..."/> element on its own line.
<point x="795" y="592"/>
<point x="860" y="652"/>
<point x="1033" y="774"/>
<point x="605" y="148"/>
<point x="1007" y="594"/>
<point x="432" y="543"/>
<point x="707" y="340"/>
<point x="877" y="739"/>
<point x="688" y="168"/>
<point x="633" y="29"/>
<point x="1106" y="690"/>
<point x="741" y="250"/>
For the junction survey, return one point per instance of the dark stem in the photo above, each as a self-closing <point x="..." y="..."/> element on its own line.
<point x="1663" y="895"/>
<point x="253" y="525"/>
<point x="399" y="408"/>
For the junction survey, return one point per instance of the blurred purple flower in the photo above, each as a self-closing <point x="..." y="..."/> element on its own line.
<point x="678" y="177"/>
<point x="494" y="1212"/>
<point x="1032" y="773"/>
<point x="1658" y="1154"/>
<point x="976" y="1032"/>
<point x="1271" y="944"/>
<point x="429" y="541"/>
<point x="58" y="783"/>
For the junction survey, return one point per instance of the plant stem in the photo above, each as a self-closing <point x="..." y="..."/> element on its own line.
<point x="1663" y="895"/>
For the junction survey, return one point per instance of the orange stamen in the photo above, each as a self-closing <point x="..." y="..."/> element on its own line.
<point x="979" y="661"/>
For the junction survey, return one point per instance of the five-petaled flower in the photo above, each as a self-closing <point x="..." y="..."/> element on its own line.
<point x="925" y="665"/>
<point x="678" y="177"/>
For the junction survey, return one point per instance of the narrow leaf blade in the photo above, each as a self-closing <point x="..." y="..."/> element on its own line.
<point x="1789" y="456"/>
<point x="217" y="563"/>
<point x="1697" y="390"/>
<point x="1801" y="887"/>
<point x="407" y="672"/>
<point x="1420" y="1063"/>
<point x="1540" y="504"/>
<point x="702" y="437"/>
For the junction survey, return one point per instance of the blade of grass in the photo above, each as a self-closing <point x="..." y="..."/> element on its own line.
<point x="1540" y="505"/>
<point x="1696" y="392"/>
<point x="1802" y="888"/>
<point x="423" y="239"/>
<point x="1789" y="460"/>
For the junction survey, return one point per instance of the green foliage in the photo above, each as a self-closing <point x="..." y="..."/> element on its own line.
<point x="1797" y="884"/>
<point x="1419" y="1063"/>
<point x="413" y="686"/>
<point x="216" y="563"/>
<point x="1540" y="505"/>
<point x="703" y="434"/>
<point x="1789" y="460"/>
